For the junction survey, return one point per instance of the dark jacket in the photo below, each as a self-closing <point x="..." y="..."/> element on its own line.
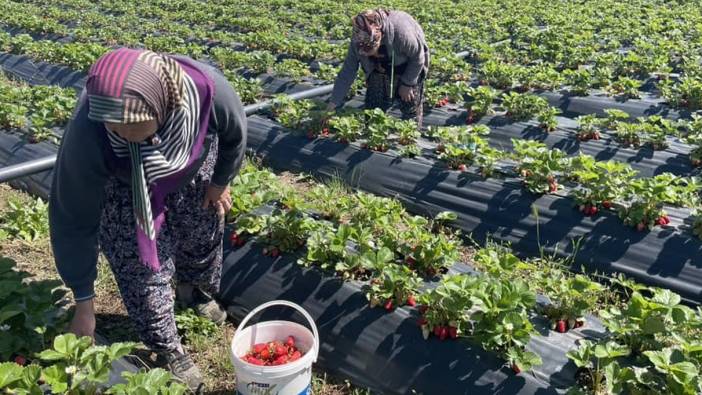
<point x="401" y="35"/>
<point x="82" y="170"/>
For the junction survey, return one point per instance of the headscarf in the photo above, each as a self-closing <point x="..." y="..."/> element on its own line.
<point x="127" y="86"/>
<point x="364" y="35"/>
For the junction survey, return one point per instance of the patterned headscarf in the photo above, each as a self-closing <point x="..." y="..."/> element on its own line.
<point x="127" y="86"/>
<point x="364" y="35"/>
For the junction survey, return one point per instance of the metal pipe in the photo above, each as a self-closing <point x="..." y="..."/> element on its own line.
<point x="24" y="169"/>
<point x="306" y="94"/>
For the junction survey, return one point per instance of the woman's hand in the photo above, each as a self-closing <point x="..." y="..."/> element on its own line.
<point x="406" y="93"/>
<point x="219" y="198"/>
<point x="83" y="323"/>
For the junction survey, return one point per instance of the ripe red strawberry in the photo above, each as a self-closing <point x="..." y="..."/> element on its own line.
<point x="553" y="187"/>
<point x="325" y="132"/>
<point x="234" y="238"/>
<point x="280" y="350"/>
<point x="295" y="356"/>
<point x="437" y="330"/>
<point x="516" y="369"/>
<point x="660" y="221"/>
<point x="290" y="341"/>
<point x="388" y="305"/>
<point x="411" y="301"/>
<point x="452" y="332"/>
<point x="641" y="226"/>
<point x="607" y="204"/>
<point x="275" y="252"/>
<point x="258" y="348"/>
<point x="422" y="321"/>
<point x="561" y="326"/>
<point x="20" y="360"/>
<point x="443" y="333"/>
<point x="579" y="323"/>
<point x="281" y="360"/>
<point x="666" y="219"/>
<point x="593" y="210"/>
<point x="265" y="354"/>
<point x="240" y="242"/>
<point x="462" y="167"/>
<point x="410" y="261"/>
<point x="254" y="361"/>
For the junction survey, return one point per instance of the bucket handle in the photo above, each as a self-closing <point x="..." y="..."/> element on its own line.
<point x="298" y="308"/>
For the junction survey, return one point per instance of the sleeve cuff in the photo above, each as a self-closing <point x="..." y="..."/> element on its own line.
<point x="84" y="292"/>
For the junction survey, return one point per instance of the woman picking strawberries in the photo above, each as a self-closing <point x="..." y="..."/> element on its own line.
<point x="391" y="48"/>
<point x="142" y="175"/>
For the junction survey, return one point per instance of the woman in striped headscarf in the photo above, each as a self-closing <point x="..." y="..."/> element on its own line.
<point x="142" y="176"/>
<point x="391" y="48"/>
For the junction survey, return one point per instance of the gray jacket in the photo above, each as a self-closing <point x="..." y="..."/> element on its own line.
<point x="401" y="34"/>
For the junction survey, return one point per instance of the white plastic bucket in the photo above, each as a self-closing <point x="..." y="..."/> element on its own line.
<point x="294" y="378"/>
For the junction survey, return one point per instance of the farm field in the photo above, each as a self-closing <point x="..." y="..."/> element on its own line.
<point x="542" y="232"/>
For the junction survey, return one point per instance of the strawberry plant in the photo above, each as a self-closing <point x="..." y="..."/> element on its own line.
<point x="394" y="285"/>
<point x="77" y="366"/>
<point x="25" y="221"/>
<point x="291" y="113"/>
<point x="547" y="118"/>
<point x="629" y="134"/>
<point x="646" y="324"/>
<point x="625" y="87"/>
<point x="250" y="90"/>
<point x="500" y="75"/>
<point x="687" y="93"/>
<point x="522" y="107"/>
<point x="410" y="151"/>
<point x="378" y="126"/>
<point x="614" y="116"/>
<point x="501" y="323"/>
<point x="571" y="299"/>
<point x="599" y="371"/>
<point x="429" y="253"/>
<point x="656" y="129"/>
<point x="286" y="231"/>
<point x="407" y="131"/>
<point x="579" y="81"/>
<point x="479" y="102"/>
<point x="538" y="165"/>
<point x="346" y="129"/>
<point x="252" y="188"/>
<point x="601" y="184"/>
<point x="29" y="311"/>
<point x="293" y="69"/>
<point x="155" y="381"/>
<point x="444" y="308"/>
<point x="647" y="195"/>
<point x="588" y="127"/>
<point x="361" y="266"/>
<point x="326" y="246"/>
<point x="465" y="145"/>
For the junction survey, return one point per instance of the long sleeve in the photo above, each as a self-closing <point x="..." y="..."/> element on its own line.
<point x="409" y="40"/>
<point x="230" y="123"/>
<point x="75" y="203"/>
<point x="346" y="76"/>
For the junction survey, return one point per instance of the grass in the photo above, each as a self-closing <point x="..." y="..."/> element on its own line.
<point x="210" y="351"/>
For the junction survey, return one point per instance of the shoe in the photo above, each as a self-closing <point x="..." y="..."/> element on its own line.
<point x="183" y="368"/>
<point x="203" y="304"/>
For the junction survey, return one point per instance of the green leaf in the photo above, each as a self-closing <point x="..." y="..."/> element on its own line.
<point x="56" y="377"/>
<point x="10" y="372"/>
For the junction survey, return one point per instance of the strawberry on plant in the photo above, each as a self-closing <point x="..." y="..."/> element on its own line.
<point x="411" y="301"/>
<point x="561" y="326"/>
<point x="452" y="332"/>
<point x="20" y="360"/>
<point x="388" y="305"/>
